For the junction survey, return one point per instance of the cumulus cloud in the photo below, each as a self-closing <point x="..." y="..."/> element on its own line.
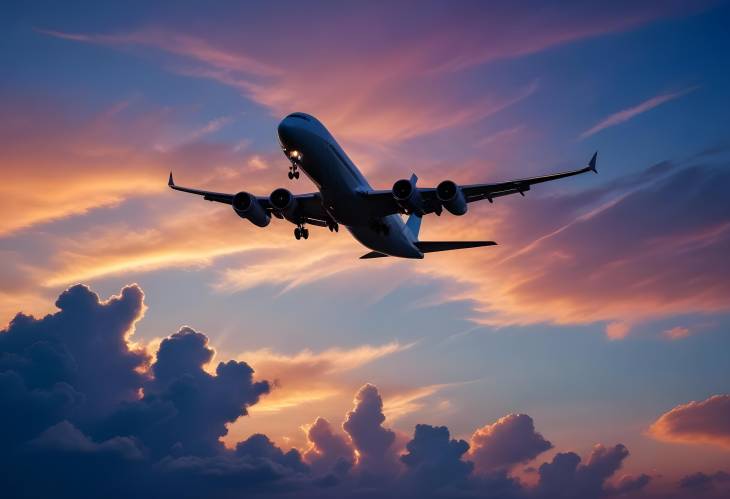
<point x="363" y="424"/>
<point x="706" y="421"/>
<point x="184" y="408"/>
<point x="565" y="477"/>
<point x="328" y="452"/>
<point x="508" y="441"/>
<point x="158" y="427"/>
<point x="434" y="460"/>
<point x="702" y="482"/>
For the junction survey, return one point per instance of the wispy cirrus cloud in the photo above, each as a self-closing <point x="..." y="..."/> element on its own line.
<point x="377" y="85"/>
<point x="631" y="112"/>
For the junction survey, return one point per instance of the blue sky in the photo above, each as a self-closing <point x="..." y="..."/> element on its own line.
<point x="569" y="320"/>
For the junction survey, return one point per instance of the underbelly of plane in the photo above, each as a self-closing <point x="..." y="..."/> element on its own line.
<point x="393" y="241"/>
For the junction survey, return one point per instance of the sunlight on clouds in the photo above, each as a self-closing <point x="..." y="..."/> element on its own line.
<point x="305" y="383"/>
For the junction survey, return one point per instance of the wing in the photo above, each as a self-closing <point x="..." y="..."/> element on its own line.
<point x="383" y="202"/>
<point x="309" y="206"/>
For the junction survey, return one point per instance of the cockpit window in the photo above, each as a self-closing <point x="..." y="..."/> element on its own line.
<point x="300" y="116"/>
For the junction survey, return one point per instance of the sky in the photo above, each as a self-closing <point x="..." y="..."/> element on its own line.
<point x="597" y="329"/>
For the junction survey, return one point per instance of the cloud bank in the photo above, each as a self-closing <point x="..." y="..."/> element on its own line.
<point x="92" y="414"/>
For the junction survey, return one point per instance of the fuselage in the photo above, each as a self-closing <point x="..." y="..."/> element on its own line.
<point x="342" y="186"/>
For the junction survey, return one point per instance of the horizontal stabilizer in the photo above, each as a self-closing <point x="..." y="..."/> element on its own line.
<point x="372" y="254"/>
<point x="433" y="246"/>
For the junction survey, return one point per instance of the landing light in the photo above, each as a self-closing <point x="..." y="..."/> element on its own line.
<point x="295" y="155"/>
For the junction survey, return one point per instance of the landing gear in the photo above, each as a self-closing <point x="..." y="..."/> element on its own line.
<point x="293" y="171"/>
<point x="301" y="232"/>
<point x="333" y="226"/>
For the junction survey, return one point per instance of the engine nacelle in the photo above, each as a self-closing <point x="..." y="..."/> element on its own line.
<point x="283" y="202"/>
<point x="451" y="197"/>
<point x="407" y="196"/>
<point x="246" y="206"/>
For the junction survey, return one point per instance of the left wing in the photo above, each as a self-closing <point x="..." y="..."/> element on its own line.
<point x="308" y="207"/>
<point x="427" y="200"/>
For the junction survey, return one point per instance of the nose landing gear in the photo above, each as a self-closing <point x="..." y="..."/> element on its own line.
<point x="293" y="171"/>
<point x="301" y="232"/>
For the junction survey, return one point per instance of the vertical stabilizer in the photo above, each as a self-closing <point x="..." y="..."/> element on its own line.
<point x="414" y="221"/>
<point x="414" y="224"/>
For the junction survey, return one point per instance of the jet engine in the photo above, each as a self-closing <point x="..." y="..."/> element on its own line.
<point x="407" y="196"/>
<point x="283" y="202"/>
<point x="246" y="206"/>
<point x="451" y="197"/>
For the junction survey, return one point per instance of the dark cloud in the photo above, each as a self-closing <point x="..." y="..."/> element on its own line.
<point x="509" y="441"/>
<point x="699" y="481"/>
<point x="328" y="452"/>
<point x="75" y="364"/>
<point x="184" y="408"/>
<point x="259" y="446"/>
<point x="707" y="421"/>
<point x="86" y="414"/>
<point x="566" y="478"/>
<point x="629" y="484"/>
<point x="364" y="425"/>
<point x="434" y="460"/>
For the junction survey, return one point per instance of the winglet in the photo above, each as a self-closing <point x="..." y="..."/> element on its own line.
<point x="414" y="178"/>
<point x="592" y="163"/>
<point x="171" y="182"/>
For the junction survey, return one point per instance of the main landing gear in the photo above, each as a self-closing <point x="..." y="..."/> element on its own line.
<point x="301" y="232"/>
<point x="293" y="172"/>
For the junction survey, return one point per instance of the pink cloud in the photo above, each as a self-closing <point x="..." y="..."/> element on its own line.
<point x="676" y="333"/>
<point x="706" y="422"/>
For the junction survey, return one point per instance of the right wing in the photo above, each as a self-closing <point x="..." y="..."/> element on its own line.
<point x="309" y="206"/>
<point x="478" y="192"/>
<point x="382" y="202"/>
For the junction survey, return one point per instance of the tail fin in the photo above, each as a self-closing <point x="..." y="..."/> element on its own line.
<point x="414" y="224"/>
<point x="414" y="221"/>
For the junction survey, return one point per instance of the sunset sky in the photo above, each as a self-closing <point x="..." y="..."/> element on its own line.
<point x="603" y="313"/>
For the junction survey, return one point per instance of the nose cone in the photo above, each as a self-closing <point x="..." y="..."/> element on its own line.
<point x="286" y="132"/>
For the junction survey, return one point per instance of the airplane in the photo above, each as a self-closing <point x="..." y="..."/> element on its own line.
<point x="345" y="197"/>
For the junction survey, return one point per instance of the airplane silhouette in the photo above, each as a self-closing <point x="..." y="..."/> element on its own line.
<point x="344" y="196"/>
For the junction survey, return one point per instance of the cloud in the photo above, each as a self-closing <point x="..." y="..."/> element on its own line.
<point x="700" y="482"/>
<point x="409" y="59"/>
<point x="328" y="451"/>
<point x="676" y="333"/>
<point x="435" y="461"/>
<point x="704" y="422"/>
<point x="157" y="425"/>
<point x="371" y="440"/>
<point x="508" y="441"/>
<point x="307" y="377"/>
<point x="566" y="478"/>
<point x="185" y="409"/>
<point x="611" y="253"/>
<point x="630" y="113"/>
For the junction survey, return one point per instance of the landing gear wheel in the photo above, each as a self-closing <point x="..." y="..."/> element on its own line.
<point x="305" y="233"/>
<point x="296" y="173"/>
<point x="290" y="175"/>
<point x="298" y="233"/>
